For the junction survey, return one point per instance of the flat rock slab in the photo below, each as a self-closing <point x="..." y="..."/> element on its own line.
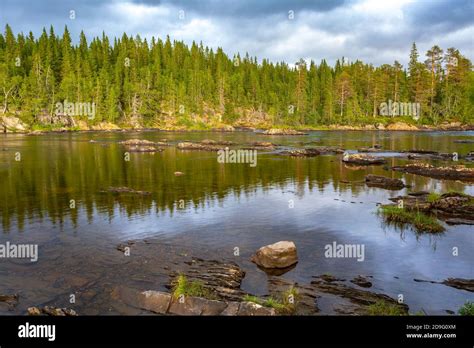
<point x="451" y="173"/>
<point x="362" y="159"/>
<point x="362" y="298"/>
<point x="189" y="305"/>
<point x="154" y="301"/>
<point x="222" y="279"/>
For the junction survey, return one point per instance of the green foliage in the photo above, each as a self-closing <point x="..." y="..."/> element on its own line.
<point x="184" y="287"/>
<point x="384" y="308"/>
<point x="133" y="81"/>
<point x="467" y="309"/>
<point x="420" y="221"/>
<point x="433" y="197"/>
<point x="285" y="304"/>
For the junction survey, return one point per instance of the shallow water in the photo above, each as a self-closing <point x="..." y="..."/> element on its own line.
<point x="311" y="201"/>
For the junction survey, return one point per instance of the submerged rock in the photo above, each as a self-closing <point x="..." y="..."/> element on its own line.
<point x="303" y="152"/>
<point x="141" y="148"/>
<point x="362" y="298"/>
<point x="362" y="281"/>
<point x="123" y="189"/>
<point x="451" y="172"/>
<point x="459" y="283"/>
<point x="384" y="182"/>
<point x="216" y="142"/>
<point x="278" y="255"/>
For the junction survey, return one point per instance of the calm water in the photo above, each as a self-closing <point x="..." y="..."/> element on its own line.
<point x="225" y="206"/>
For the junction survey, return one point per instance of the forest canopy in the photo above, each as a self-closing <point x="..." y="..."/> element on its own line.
<point x="134" y="81"/>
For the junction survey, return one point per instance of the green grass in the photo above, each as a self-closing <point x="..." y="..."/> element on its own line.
<point x="385" y="308"/>
<point x="421" y="222"/>
<point x="433" y="197"/>
<point x="286" y="305"/>
<point x="467" y="309"/>
<point x="185" y="287"/>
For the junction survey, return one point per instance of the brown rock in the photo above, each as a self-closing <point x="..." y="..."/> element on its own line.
<point x="154" y="301"/>
<point x="279" y="255"/>
<point x="253" y="309"/>
<point x="196" y="306"/>
<point x="384" y="182"/>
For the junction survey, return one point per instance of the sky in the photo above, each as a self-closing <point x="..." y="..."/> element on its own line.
<point x="374" y="31"/>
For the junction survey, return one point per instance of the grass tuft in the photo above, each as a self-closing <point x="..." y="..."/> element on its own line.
<point x="385" y="308"/>
<point x="420" y="221"/>
<point x="190" y="288"/>
<point x="467" y="309"/>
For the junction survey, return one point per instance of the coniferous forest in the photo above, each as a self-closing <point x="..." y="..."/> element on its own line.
<point x="151" y="83"/>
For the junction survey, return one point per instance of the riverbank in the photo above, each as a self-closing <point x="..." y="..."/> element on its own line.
<point x="11" y="124"/>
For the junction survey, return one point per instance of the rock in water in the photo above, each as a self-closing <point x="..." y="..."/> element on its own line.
<point x="384" y="182"/>
<point x="279" y="255"/>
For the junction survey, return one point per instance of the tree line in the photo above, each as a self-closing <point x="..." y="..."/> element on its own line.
<point x="135" y="80"/>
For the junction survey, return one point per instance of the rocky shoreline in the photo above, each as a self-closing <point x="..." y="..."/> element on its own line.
<point x="12" y="124"/>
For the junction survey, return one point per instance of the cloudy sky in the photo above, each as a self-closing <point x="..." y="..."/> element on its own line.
<point x="376" y="31"/>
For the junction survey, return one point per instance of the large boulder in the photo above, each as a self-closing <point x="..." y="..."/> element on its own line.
<point x="279" y="255"/>
<point x="12" y="124"/>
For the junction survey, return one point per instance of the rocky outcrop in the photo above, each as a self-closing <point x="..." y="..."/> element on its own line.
<point x="458" y="172"/>
<point x="384" y="182"/>
<point x="278" y="255"/>
<point x="401" y="126"/>
<point x="123" y="189"/>
<point x="362" y="281"/>
<point x="197" y="146"/>
<point x="11" y="124"/>
<point x="216" y="142"/>
<point x="302" y="152"/>
<point x="276" y="131"/>
<point x="458" y="283"/>
<point x="452" y="207"/>
<point x="362" y="298"/>
<point x="220" y="279"/>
